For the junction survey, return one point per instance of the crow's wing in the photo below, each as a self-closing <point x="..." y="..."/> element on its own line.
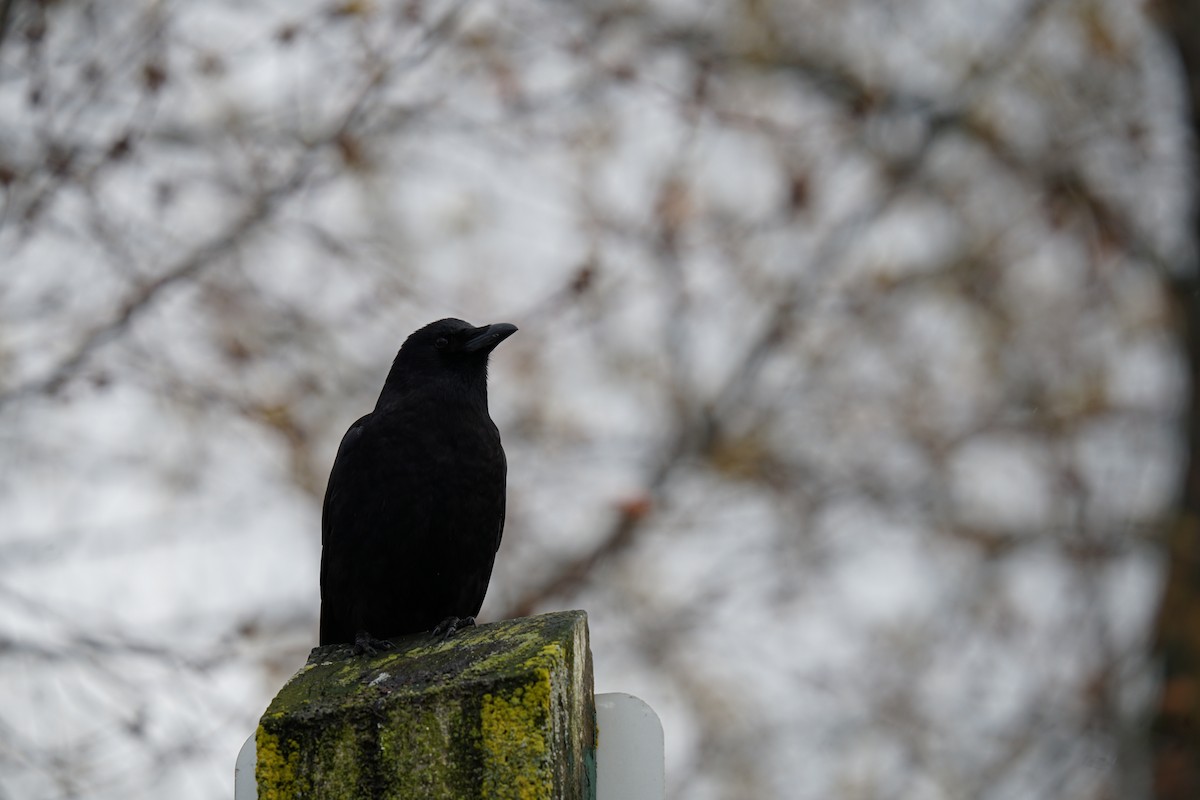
<point x="503" y="491"/>
<point x="333" y="573"/>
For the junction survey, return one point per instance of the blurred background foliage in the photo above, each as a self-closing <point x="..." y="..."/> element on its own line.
<point x="851" y="394"/>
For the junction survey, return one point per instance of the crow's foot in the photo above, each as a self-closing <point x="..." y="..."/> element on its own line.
<point x="451" y="625"/>
<point x="368" y="644"/>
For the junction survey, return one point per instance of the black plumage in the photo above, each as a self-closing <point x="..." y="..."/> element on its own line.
<point x="414" y="510"/>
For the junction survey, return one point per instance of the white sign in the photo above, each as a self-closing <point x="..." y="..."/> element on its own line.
<point x="629" y="749"/>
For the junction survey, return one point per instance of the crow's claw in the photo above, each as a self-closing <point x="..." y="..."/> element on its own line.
<point x="450" y="625"/>
<point x="365" y="643"/>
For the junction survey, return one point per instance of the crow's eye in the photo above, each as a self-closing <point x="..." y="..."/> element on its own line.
<point x="441" y="342"/>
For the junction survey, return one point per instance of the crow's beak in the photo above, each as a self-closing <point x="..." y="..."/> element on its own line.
<point x="485" y="338"/>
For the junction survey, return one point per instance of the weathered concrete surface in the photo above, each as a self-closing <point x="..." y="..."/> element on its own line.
<point x="500" y="711"/>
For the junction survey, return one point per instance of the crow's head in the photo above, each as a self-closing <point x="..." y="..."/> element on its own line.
<point x="447" y="347"/>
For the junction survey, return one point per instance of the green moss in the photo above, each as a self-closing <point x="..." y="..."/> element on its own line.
<point x="426" y="750"/>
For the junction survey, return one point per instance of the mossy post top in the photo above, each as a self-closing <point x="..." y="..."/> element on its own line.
<point x="503" y="710"/>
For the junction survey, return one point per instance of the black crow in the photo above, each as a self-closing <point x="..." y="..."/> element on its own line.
<point x="414" y="509"/>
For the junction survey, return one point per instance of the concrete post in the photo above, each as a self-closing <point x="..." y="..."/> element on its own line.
<point x="499" y="711"/>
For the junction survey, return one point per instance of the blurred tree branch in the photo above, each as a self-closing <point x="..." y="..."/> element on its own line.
<point x="1176" y="739"/>
<point x="5" y="12"/>
<point x="143" y="296"/>
<point x="702" y="422"/>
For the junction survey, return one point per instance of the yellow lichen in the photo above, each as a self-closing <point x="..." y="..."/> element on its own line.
<point x="277" y="768"/>
<point x="514" y="741"/>
<point x="553" y="650"/>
